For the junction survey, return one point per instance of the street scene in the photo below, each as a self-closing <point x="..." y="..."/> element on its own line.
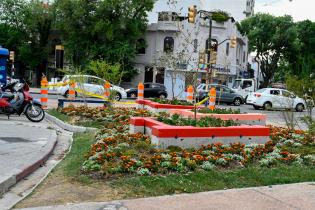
<point x="157" y="104"/>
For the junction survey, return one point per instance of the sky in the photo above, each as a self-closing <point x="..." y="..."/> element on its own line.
<point x="298" y="9"/>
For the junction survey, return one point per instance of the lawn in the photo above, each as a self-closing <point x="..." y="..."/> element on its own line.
<point x="85" y="175"/>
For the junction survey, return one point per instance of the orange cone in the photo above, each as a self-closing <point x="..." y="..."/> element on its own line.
<point x="212" y="96"/>
<point x="44" y="92"/>
<point x="140" y="91"/>
<point x="190" y="93"/>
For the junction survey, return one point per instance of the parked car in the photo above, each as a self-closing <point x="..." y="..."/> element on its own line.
<point x="151" y="90"/>
<point x="226" y="95"/>
<point x="91" y="84"/>
<point x="275" y="98"/>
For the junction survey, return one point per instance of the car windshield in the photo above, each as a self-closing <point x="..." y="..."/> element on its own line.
<point x="237" y="83"/>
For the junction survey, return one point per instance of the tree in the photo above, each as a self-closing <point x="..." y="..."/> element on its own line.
<point x="271" y="38"/>
<point x="108" y="29"/>
<point x="27" y="25"/>
<point x="301" y="61"/>
<point x="105" y="70"/>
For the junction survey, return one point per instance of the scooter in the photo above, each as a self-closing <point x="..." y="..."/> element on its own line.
<point x="31" y="108"/>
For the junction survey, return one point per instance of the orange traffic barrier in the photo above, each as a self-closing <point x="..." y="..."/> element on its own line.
<point x="44" y="92"/>
<point x="72" y="90"/>
<point x="190" y="93"/>
<point x="212" y="96"/>
<point x="140" y="91"/>
<point x="107" y="90"/>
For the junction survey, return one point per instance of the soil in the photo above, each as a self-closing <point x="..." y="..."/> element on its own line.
<point x="58" y="189"/>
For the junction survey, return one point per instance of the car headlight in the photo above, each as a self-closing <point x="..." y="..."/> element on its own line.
<point x="127" y="90"/>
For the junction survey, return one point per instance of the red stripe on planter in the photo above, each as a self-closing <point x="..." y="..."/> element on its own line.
<point x="189" y="131"/>
<point x="137" y="121"/>
<point x="149" y="122"/>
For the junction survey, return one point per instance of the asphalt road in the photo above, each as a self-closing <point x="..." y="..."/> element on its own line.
<point x="275" y="117"/>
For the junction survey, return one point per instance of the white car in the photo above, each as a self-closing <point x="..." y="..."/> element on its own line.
<point x="274" y="98"/>
<point x="90" y="84"/>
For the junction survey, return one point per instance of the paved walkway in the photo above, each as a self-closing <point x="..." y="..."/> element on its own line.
<point x="24" y="146"/>
<point x="293" y="196"/>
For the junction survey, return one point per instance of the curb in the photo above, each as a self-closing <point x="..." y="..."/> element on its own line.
<point x="20" y="174"/>
<point x="66" y="126"/>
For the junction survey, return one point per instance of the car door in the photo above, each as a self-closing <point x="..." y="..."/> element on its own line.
<point x="147" y="90"/>
<point x="275" y="98"/>
<point x="221" y="94"/>
<point x="287" y="99"/>
<point x="94" y="85"/>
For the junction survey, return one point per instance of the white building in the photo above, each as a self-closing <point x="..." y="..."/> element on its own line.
<point x="187" y="40"/>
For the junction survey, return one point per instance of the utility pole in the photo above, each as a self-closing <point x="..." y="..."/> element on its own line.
<point x="209" y="55"/>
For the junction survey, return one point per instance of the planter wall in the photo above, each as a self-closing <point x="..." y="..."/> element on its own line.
<point x="248" y="119"/>
<point x="157" y="107"/>
<point x="163" y="135"/>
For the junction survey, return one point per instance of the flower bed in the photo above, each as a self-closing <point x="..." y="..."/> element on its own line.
<point x="218" y="111"/>
<point x="248" y="118"/>
<point x="158" y="107"/>
<point x="116" y="152"/>
<point x="172" y="102"/>
<point x="163" y="135"/>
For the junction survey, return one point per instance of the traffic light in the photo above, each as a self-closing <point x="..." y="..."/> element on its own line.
<point x="192" y="13"/>
<point x="59" y="53"/>
<point x="202" y="57"/>
<point x="11" y="56"/>
<point x="213" y="57"/>
<point x="233" y="42"/>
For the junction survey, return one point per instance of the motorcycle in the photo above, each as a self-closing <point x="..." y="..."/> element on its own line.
<point x="31" y="108"/>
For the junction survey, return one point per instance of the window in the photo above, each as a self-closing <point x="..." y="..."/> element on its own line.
<point x="168" y="44"/>
<point x="247" y="84"/>
<point x="275" y="92"/>
<point x="287" y="94"/>
<point x="195" y="45"/>
<point x="95" y="81"/>
<point x="227" y="49"/>
<point x="140" y="46"/>
<point x="146" y="85"/>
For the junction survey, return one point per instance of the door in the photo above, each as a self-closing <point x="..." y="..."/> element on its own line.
<point x="287" y="99"/>
<point x="275" y="98"/>
<point x="248" y="87"/>
<point x="227" y="96"/>
<point x="94" y="85"/>
<point x="148" y="92"/>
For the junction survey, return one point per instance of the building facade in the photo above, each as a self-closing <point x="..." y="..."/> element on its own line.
<point x="171" y="54"/>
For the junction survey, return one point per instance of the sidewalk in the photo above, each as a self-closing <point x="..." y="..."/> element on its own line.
<point x="24" y="146"/>
<point x="292" y="196"/>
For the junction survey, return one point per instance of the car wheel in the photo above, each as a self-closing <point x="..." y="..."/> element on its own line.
<point x="162" y="96"/>
<point x="133" y="95"/>
<point x="299" y="108"/>
<point x="267" y="106"/>
<point x="237" y="102"/>
<point x="256" y="107"/>
<point x="117" y="97"/>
